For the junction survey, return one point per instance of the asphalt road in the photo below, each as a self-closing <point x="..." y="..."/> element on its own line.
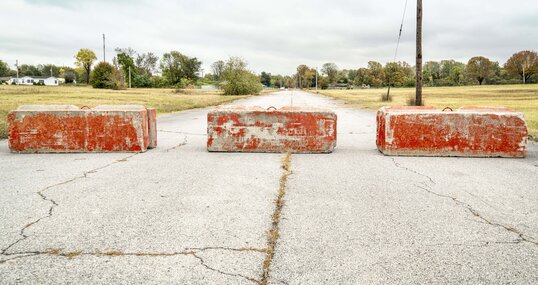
<point x="178" y="214"/>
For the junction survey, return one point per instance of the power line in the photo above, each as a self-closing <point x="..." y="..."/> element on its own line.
<point x="401" y="29"/>
<point x="397" y="46"/>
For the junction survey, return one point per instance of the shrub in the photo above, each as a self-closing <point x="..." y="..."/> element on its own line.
<point x="411" y="101"/>
<point x="386" y="97"/>
<point x="158" y="82"/>
<point x="238" y="80"/>
<point x="105" y="76"/>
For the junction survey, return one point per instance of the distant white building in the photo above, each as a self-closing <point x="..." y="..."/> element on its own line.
<point x="31" y="80"/>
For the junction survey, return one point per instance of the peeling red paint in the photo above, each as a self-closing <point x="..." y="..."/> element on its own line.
<point x="253" y="129"/>
<point x="469" y="131"/>
<point x="69" y="129"/>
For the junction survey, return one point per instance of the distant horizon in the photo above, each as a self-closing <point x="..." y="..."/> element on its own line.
<point x="274" y="40"/>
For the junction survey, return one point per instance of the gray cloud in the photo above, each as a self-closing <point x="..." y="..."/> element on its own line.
<point x="274" y="36"/>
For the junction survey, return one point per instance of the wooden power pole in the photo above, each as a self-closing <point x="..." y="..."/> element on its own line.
<point x="104" y="50"/>
<point x="418" y="96"/>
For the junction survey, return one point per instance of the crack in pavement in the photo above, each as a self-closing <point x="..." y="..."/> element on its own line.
<point x="53" y="203"/>
<point x="202" y="262"/>
<point x="194" y="252"/>
<point x="184" y="142"/>
<point x="411" y="170"/>
<point x="274" y="233"/>
<point x="477" y="243"/>
<point x="522" y="236"/>
<point x="262" y="250"/>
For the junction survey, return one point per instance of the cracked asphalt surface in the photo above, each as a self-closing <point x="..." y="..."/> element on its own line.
<point x="178" y="214"/>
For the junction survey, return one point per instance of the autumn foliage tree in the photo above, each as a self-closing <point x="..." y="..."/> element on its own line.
<point x="480" y="68"/>
<point x="85" y="58"/>
<point x="523" y="64"/>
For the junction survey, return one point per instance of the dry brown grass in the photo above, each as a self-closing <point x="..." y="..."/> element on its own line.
<point x="164" y="100"/>
<point x="522" y="98"/>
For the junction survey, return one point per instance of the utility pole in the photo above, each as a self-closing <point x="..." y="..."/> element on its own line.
<point x="17" y="66"/>
<point x="129" y="76"/>
<point x="316" y="79"/>
<point x="418" y="96"/>
<point x="104" y="53"/>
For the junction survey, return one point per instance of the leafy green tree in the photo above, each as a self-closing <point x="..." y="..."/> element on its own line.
<point x="351" y="74"/>
<point x="176" y="66"/>
<point x="104" y="75"/>
<point x="277" y="81"/>
<point x="29" y="70"/>
<point x="146" y="63"/>
<point x="237" y="79"/>
<point x="376" y="74"/>
<point x="523" y="64"/>
<point x="85" y="58"/>
<point x="265" y="79"/>
<point x="49" y="70"/>
<point x="4" y="69"/>
<point x="342" y="77"/>
<point x="457" y="74"/>
<point x="126" y="63"/>
<point x="330" y="69"/>
<point x="362" y="77"/>
<point x="480" y="68"/>
<point x="141" y="66"/>
<point x="395" y="74"/>
<point x="431" y="73"/>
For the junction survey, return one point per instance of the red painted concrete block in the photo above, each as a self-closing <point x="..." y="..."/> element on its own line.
<point x="64" y="128"/>
<point x="254" y="129"/>
<point x="467" y="132"/>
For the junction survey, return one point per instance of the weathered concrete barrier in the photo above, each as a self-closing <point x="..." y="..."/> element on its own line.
<point x="67" y="128"/>
<point x="254" y="129"/>
<point x="152" y="127"/>
<point x="468" y="131"/>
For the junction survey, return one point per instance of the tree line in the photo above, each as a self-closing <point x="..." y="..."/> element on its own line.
<point x="177" y="70"/>
<point x="521" y="67"/>
<point x="146" y="70"/>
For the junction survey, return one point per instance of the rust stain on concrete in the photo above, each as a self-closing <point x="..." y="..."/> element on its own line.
<point x="467" y="132"/>
<point x="66" y="128"/>
<point x="254" y="129"/>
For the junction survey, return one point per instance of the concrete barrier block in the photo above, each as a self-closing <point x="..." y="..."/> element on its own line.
<point x="467" y="132"/>
<point x="152" y="127"/>
<point x="254" y="129"/>
<point x="61" y="128"/>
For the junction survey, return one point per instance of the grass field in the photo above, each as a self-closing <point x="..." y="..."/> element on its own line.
<point x="523" y="98"/>
<point x="164" y="100"/>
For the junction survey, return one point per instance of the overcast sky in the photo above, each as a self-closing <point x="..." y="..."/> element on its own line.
<point x="272" y="35"/>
